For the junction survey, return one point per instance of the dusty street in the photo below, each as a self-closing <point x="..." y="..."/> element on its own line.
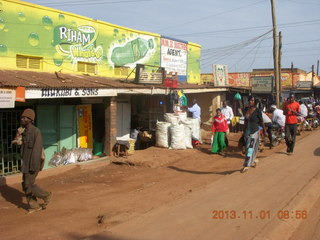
<point x="176" y="194"/>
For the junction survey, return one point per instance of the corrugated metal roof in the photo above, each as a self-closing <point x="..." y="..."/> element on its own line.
<point x="29" y="79"/>
<point x="13" y="78"/>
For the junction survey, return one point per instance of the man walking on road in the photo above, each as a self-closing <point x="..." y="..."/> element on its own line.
<point x="291" y="110"/>
<point x="228" y="113"/>
<point x="32" y="162"/>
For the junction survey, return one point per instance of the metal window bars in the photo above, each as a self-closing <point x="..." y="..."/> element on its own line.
<point x="10" y="161"/>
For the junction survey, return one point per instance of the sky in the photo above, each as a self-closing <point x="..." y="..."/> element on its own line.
<point x="236" y="33"/>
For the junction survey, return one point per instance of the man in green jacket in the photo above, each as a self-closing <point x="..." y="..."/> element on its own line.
<point x="32" y="162"/>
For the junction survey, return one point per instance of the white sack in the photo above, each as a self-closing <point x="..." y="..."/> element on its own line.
<point x="162" y="134"/>
<point x="171" y="118"/>
<point x="177" y="133"/>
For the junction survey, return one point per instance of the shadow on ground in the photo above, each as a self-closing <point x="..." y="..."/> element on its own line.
<point x="13" y="195"/>
<point x="201" y="172"/>
<point x="317" y="152"/>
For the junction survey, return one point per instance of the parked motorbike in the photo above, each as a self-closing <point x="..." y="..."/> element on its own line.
<point x="302" y="125"/>
<point x="277" y="134"/>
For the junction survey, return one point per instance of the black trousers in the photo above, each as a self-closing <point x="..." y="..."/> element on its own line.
<point x="290" y="132"/>
<point x="31" y="190"/>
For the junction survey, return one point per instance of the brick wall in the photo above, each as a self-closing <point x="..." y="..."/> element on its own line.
<point x="110" y="124"/>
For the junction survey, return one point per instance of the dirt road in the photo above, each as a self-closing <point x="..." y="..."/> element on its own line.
<point x="173" y="198"/>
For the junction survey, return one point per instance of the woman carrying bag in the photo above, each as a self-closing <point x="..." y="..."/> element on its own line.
<point x="219" y="128"/>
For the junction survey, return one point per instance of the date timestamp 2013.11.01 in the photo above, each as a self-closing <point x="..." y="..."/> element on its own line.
<point x="260" y="214"/>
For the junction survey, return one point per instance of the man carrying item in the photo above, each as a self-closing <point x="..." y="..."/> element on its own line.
<point x="228" y="113"/>
<point x="291" y="110"/>
<point x="32" y="162"/>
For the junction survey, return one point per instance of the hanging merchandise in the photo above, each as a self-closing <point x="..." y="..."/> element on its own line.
<point x="237" y="96"/>
<point x="182" y="98"/>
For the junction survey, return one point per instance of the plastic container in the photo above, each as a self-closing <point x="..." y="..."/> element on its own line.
<point x="172" y="83"/>
<point x="97" y="148"/>
<point x="131" y="148"/>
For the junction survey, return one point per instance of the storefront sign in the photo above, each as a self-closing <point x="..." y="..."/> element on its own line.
<point x="20" y="94"/>
<point x="147" y="74"/>
<point x="304" y="84"/>
<point x="220" y="74"/>
<point x="262" y="84"/>
<point x="69" y="92"/>
<point x="84" y="118"/>
<point x="206" y="78"/>
<point x="7" y="98"/>
<point x="174" y="56"/>
<point x="239" y="79"/>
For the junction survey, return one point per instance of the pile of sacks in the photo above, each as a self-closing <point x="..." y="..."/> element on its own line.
<point x="177" y="131"/>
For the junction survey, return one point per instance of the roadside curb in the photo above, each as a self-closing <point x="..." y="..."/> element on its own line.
<point x="282" y="229"/>
<point x="16" y="178"/>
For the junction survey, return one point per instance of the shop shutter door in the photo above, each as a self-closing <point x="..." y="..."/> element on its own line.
<point x="67" y="123"/>
<point x="123" y="119"/>
<point x="46" y="121"/>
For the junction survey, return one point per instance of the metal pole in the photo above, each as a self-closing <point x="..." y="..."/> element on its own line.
<point x="275" y="53"/>
<point x="279" y="65"/>
<point x="292" y="79"/>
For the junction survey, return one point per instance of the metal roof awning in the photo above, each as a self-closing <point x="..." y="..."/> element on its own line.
<point x="57" y="85"/>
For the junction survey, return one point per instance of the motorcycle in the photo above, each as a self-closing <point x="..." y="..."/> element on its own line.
<point x="302" y="125"/>
<point x="277" y="134"/>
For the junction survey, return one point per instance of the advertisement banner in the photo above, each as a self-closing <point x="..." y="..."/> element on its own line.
<point x="220" y="74"/>
<point x="239" y="79"/>
<point x="174" y="56"/>
<point x="84" y="119"/>
<point x="262" y="84"/>
<point x="7" y="98"/>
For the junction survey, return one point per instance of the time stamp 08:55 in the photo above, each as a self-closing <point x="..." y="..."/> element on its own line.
<point x="260" y="214"/>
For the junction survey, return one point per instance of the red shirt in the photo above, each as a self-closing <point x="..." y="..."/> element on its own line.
<point x="288" y="107"/>
<point x="219" y="124"/>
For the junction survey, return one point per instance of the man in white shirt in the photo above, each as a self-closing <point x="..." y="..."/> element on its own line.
<point x="303" y="109"/>
<point x="196" y="114"/>
<point x="228" y="113"/>
<point x="277" y="116"/>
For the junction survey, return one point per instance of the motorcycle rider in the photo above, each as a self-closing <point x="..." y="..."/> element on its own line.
<point x="278" y="118"/>
<point x="303" y="109"/>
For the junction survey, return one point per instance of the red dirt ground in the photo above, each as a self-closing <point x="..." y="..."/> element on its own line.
<point x="93" y="197"/>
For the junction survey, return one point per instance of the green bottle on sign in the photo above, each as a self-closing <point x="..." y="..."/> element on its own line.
<point x="131" y="52"/>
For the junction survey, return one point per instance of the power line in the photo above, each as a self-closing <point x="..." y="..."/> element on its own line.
<point x="94" y="2"/>
<point x="233" y="30"/>
<point x="210" y="16"/>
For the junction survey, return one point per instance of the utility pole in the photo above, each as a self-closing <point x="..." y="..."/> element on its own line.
<point x="292" y="78"/>
<point x="312" y="80"/>
<point x="279" y="65"/>
<point x="318" y="68"/>
<point x="275" y="53"/>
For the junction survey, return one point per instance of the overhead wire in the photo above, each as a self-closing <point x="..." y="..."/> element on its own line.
<point x="210" y="16"/>
<point x="92" y="2"/>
